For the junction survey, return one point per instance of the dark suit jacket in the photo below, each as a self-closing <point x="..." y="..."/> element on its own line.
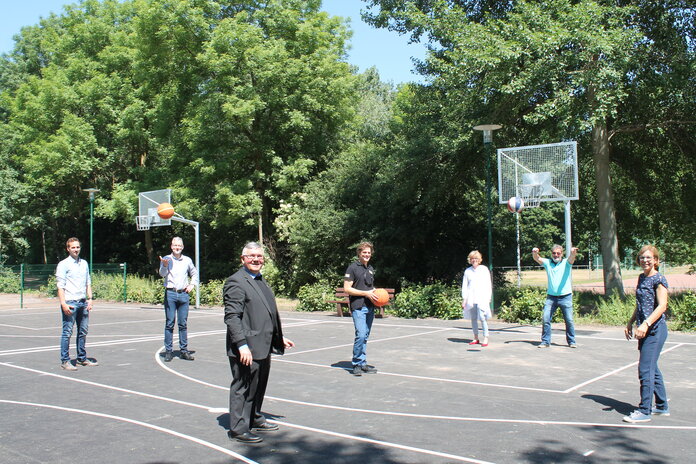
<point x="249" y="316"/>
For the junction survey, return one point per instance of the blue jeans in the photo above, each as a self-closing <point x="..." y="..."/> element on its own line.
<point x="478" y="314"/>
<point x="176" y="308"/>
<point x="79" y="315"/>
<point x="362" y="318"/>
<point x="564" y="302"/>
<point x="651" y="382"/>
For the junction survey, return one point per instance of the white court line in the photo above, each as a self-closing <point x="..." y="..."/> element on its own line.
<point x="386" y="443"/>
<point x="101" y="324"/>
<point x="207" y="444"/>
<point x="311" y="322"/>
<point x="367" y="411"/>
<point x="18" y="327"/>
<point x="224" y="410"/>
<point x="371" y="342"/>
<point x="91" y="336"/>
<point x="108" y="387"/>
<point x="434" y="379"/>
<point x="615" y="371"/>
<point x="422" y="416"/>
<point x="148" y="338"/>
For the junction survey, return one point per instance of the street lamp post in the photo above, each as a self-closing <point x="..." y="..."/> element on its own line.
<point x="487" y="130"/>
<point x="91" y="192"/>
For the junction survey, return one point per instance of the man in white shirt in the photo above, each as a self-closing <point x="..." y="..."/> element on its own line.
<point x="75" y="296"/>
<point x="180" y="277"/>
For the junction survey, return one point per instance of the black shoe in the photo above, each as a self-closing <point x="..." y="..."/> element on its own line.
<point x="265" y="427"/>
<point x="357" y="371"/>
<point x="168" y="356"/>
<point x="368" y="369"/>
<point x="246" y="437"/>
<point x="187" y="356"/>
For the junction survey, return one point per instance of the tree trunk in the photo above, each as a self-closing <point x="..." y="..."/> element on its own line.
<point x="609" y="243"/>
<point x="149" y="247"/>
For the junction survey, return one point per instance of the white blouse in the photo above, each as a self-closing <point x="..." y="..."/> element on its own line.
<point x="477" y="288"/>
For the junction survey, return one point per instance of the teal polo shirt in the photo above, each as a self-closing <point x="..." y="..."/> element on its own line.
<point x="559" y="280"/>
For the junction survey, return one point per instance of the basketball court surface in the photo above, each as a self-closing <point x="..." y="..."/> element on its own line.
<point x="435" y="399"/>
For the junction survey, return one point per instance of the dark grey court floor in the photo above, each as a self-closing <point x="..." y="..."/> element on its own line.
<point x="435" y="399"/>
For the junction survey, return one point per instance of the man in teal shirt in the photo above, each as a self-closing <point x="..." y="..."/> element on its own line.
<point x="559" y="293"/>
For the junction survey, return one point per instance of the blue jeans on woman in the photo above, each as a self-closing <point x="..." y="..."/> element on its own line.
<point x="362" y="319"/>
<point x="478" y="314"/>
<point x="79" y="316"/>
<point x="176" y="308"/>
<point x="565" y="302"/>
<point x="651" y="381"/>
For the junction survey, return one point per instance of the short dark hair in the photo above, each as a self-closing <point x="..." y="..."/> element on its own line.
<point x="70" y="240"/>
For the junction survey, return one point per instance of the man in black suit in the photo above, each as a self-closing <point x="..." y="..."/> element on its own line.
<point x="253" y="331"/>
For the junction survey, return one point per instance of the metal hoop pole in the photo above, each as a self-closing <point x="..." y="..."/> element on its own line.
<point x="179" y="218"/>
<point x="569" y="241"/>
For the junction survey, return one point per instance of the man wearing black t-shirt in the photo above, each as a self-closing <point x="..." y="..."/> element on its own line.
<point x="358" y="283"/>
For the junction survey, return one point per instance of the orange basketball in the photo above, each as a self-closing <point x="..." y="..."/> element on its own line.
<point x="165" y="210"/>
<point x="382" y="297"/>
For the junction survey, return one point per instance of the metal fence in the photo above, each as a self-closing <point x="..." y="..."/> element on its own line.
<point x="21" y="277"/>
<point x="591" y="277"/>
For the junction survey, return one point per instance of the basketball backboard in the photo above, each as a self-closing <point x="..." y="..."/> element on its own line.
<point x="548" y="172"/>
<point x="147" y="207"/>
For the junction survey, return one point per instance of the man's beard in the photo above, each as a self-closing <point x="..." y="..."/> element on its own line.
<point x="557" y="260"/>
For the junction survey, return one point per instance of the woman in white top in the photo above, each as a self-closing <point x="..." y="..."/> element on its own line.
<point x="476" y="296"/>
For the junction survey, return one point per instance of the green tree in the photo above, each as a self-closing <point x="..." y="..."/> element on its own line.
<point x="559" y="68"/>
<point x="234" y="105"/>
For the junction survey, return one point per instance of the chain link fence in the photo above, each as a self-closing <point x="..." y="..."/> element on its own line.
<point x="21" y="277"/>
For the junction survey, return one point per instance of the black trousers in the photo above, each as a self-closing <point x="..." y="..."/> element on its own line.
<point x="247" y="390"/>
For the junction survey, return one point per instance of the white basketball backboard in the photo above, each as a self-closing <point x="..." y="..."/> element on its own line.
<point x="147" y="206"/>
<point x="552" y="169"/>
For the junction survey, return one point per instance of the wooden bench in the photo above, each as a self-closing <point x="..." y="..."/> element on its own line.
<point x="342" y="300"/>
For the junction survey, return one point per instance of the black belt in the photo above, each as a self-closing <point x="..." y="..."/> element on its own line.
<point x="175" y="290"/>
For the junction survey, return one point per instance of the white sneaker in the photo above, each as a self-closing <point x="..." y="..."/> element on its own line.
<point x="636" y="417"/>
<point x="67" y="365"/>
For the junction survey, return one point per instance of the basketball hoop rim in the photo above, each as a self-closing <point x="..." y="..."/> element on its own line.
<point x="143" y="222"/>
<point x="531" y="194"/>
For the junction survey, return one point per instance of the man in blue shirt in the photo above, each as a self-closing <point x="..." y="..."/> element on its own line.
<point x="75" y="296"/>
<point x="559" y="293"/>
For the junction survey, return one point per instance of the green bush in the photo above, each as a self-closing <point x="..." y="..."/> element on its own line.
<point x="524" y="305"/>
<point x="147" y="290"/>
<point x="9" y="281"/>
<point x="614" y="310"/>
<point x="139" y="289"/>
<point x="50" y="288"/>
<point x="435" y="300"/>
<point x="107" y="286"/>
<point x="314" y="297"/>
<point x="274" y="277"/>
<point x="683" y="311"/>
<point x="211" y="292"/>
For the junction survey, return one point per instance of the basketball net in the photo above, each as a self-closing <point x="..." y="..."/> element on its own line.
<point x="531" y="194"/>
<point x="143" y="222"/>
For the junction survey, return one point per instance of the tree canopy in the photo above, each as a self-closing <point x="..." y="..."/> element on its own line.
<point x="249" y="112"/>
